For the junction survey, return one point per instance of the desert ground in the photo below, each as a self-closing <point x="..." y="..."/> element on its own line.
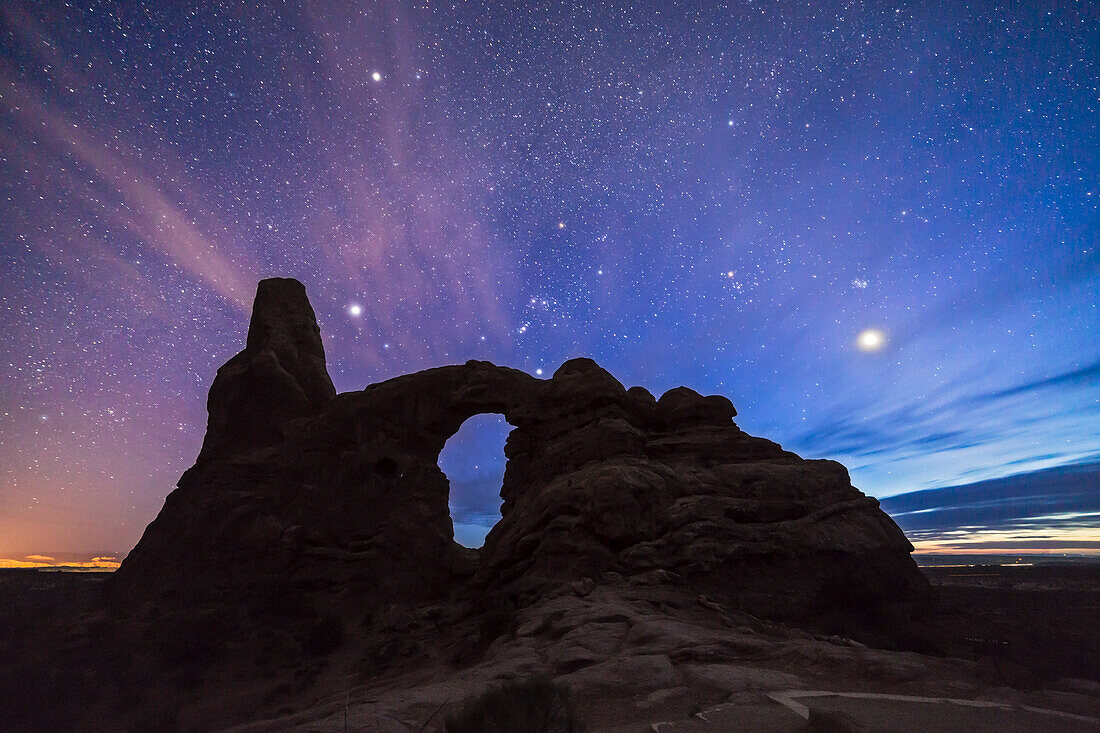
<point x="635" y="654"/>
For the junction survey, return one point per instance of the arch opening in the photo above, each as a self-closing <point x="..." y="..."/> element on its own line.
<point x="473" y="462"/>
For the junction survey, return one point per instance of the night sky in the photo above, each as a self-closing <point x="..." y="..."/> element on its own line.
<point x="873" y="226"/>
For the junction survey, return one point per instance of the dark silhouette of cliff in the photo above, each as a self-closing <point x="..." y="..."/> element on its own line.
<point x="301" y="491"/>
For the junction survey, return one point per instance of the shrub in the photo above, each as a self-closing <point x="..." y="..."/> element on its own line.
<point x="534" y="705"/>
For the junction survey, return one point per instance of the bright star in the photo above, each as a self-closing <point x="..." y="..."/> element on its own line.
<point x="871" y="339"/>
<point x="377" y="76"/>
<point x="355" y="310"/>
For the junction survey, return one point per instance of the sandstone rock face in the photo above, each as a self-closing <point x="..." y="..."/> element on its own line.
<point x="340" y="497"/>
<point x="279" y="376"/>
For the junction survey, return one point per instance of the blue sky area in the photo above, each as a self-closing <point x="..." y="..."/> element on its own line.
<point x="872" y="225"/>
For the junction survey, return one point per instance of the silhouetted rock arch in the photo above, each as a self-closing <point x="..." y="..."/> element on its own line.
<point x="334" y="496"/>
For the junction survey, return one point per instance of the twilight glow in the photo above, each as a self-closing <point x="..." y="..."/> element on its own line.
<point x="728" y="196"/>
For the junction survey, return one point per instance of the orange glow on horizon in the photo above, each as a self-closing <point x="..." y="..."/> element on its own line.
<point x="45" y="561"/>
<point x="934" y="547"/>
<point x="1029" y="539"/>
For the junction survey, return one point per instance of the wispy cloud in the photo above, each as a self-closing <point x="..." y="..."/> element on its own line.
<point x="1087" y="375"/>
<point x="959" y="427"/>
<point x="1054" y="509"/>
<point x="141" y="206"/>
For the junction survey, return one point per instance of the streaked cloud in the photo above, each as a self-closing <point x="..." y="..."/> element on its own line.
<point x="111" y="180"/>
<point x="1054" y="510"/>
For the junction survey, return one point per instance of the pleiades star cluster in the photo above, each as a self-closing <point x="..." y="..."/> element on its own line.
<point x="872" y="225"/>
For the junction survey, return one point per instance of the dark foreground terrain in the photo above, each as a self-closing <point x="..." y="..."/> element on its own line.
<point x="632" y="652"/>
<point x="1043" y="619"/>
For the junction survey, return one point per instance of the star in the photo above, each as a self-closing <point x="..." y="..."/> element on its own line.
<point x="871" y="339"/>
<point x="438" y="201"/>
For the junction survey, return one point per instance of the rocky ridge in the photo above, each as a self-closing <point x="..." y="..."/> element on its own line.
<point x="297" y="487"/>
<point x="643" y="543"/>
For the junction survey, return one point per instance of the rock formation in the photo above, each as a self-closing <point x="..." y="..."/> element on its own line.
<point x="279" y="376"/>
<point x="339" y="498"/>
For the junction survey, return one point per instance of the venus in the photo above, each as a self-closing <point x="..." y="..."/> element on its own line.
<point x="871" y="339"/>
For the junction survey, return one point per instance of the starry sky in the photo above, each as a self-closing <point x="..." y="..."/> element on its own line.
<point x="872" y="225"/>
